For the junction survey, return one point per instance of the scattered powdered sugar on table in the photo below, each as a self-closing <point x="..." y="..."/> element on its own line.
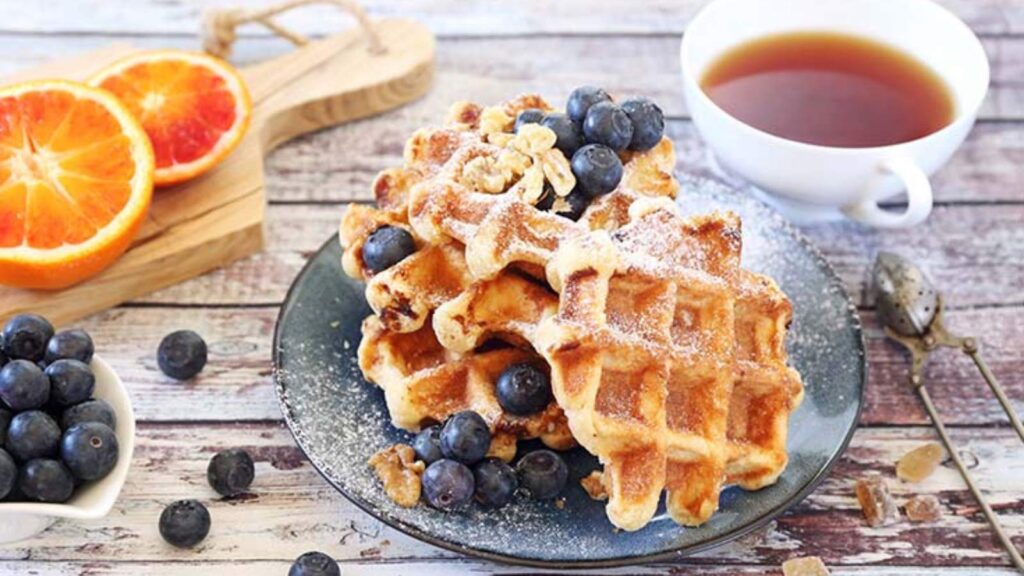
<point x="340" y="420"/>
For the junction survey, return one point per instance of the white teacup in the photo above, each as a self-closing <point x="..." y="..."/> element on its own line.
<point x="810" y="182"/>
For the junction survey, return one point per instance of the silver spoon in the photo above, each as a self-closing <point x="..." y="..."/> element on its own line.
<point x="910" y="309"/>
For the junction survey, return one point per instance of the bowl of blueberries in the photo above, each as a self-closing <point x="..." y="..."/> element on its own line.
<point x="67" y="430"/>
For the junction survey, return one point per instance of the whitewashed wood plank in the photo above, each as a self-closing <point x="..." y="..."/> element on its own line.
<point x="448" y="568"/>
<point x="446" y="17"/>
<point x="493" y="69"/>
<point x="291" y="509"/>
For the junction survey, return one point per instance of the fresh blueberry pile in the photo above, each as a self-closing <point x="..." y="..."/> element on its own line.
<point x="54" y="435"/>
<point x="458" y="470"/>
<point x="592" y="133"/>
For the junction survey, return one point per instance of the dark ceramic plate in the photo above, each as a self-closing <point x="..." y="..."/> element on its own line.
<point x="340" y="420"/>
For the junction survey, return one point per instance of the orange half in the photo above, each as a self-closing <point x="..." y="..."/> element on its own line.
<point x="194" y="107"/>
<point x="76" y="179"/>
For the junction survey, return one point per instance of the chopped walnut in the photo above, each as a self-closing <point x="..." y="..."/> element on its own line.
<point x="531" y="186"/>
<point x="809" y="566"/>
<point x="503" y="447"/>
<point x="500" y="138"/>
<point x="483" y="174"/>
<point x="493" y="119"/>
<point x="514" y="161"/>
<point x="400" y="473"/>
<point x="558" y="171"/>
<point x="533" y="139"/>
<point x="593" y="485"/>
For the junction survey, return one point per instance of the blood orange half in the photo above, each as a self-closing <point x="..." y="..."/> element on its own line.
<point x="76" y="179"/>
<point x="195" y="108"/>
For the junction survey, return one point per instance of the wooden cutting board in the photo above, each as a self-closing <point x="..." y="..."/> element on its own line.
<point x="217" y="218"/>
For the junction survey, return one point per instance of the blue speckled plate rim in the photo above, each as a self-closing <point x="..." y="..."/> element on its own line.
<point x="620" y="561"/>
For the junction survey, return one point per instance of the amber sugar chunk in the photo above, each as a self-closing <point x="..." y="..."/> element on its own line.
<point x="810" y="566"/>
<point x="920" y="462"/>
<point x="875" y="500"/>
<point x="924" y="508"/>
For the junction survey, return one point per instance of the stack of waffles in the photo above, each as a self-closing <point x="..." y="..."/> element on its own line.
<point x="667" y="359"/>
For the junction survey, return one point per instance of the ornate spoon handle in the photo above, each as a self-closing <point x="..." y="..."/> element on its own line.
<point x="1015" y="556"/>
<point x="970" y="347"/>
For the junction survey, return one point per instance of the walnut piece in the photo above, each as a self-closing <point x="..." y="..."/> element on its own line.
<point x="533" y="139"/>
<point x="503" y="447"/>
<point x="493" y="120"/>
<point x="400" y="473"/>
<point x="558" y="171"/>
<point x="593" y="485"/>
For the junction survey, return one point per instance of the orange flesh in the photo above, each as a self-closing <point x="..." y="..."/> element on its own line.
<point x="184" y="108"/>
<point x="65" y="169"/>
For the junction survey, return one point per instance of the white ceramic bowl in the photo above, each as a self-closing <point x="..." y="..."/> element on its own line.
<point x="20" y="520"/>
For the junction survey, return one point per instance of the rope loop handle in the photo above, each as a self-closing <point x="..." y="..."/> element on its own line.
<point x="219" y="25"/>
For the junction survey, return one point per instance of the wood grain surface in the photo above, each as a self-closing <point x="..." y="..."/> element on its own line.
<point x="973" y="246"/>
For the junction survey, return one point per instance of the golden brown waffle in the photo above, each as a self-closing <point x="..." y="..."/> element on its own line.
<point x="642" y="353"/>
<point x="650" y="323"/>
<point x="766" y="390"/>
<point x="424" y="384"/>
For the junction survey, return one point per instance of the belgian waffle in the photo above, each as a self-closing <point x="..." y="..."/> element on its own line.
<point x="666" y="358"/>
<point x="425" y="383"/>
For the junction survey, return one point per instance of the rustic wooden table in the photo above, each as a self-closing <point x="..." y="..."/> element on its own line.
<point x="973" y="246"/>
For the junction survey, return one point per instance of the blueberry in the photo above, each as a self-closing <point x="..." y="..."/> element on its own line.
<point x="465" y="437"/>
<point x="96" y="410"/>
<point x="23" y="386"/>
<point x="89" y="450"/>
<point x="582" y="99"/>
<point x="542" y="474"/>
<point x="32" y="434"/>
<point x="578" y="202"/>
<point x="648" y="123"/>
<point x="387" y="246"/>
<point x="427" y="444"/>
<point x="314" y="564"/>
<point x="73" y="344"/>
<point x="231" y="472"/>
<point x="185" y="523"/>
<point x="597" y="168"/>
<point x="71" y="382"/>
<point x="523" y="389"/>
<point x="448" y="485"/>
<point x="608" y="124"/>
<point x="181" y="354"/>
<point x="8" y="473"/>
<point x="528" y="116"/>
<point x="25" y="337"/>
<point x="45" y="480"/>
<point x="5" y="421"/>
<point x="3" y="355"/>
<point x="496" y="483"/>
<point x="568" y="133"/>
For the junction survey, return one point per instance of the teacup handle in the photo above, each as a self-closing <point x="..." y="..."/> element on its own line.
<point x="919" y="198"/>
